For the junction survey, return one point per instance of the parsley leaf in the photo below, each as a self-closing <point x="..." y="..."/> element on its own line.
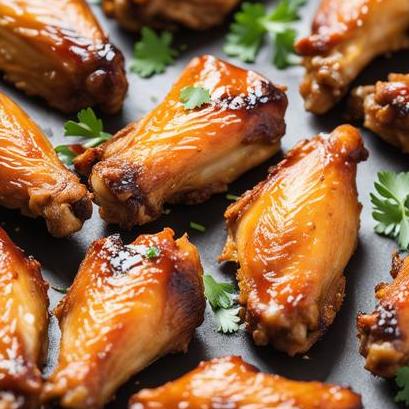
<point x="197" y="226"/>
<point x="222" y="299"/>
<point x="152" y="252"/>
<point x="152" y="53"/>
<point x="390" y="207"/>
<point x="252" y="23"/>
<point x="194" y="97"/>
<point x="65" y="154"/>
<point x="228" y="320"/>
<point x="402" y="380"/>
<point x="219" y="295"/>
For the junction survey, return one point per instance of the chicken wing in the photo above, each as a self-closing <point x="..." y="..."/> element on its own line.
<point x="23" y="327"/>
<point x="230" y="382"/>
<point x="384" y="334"/>
<point x="56" y="49"/>
<point x="194" y="14"/>
<point x="128" y="306"/>
<point x="293" y="235"/>
<point x="385" y="109"/>
<point x="346" y="36"/>
<point x="179" y="155"/>
<point x="33" y="179"/>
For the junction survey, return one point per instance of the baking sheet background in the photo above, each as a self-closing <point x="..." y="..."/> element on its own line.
<point x="335" y="357"/>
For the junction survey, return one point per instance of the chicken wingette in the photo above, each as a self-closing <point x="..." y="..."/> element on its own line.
<point x="292" y="236"/>
<point x="128" y="306"/>
<point x="385" y="109"/>
<point x="230" y="382"/>
<point x="23" y="327"/>
<point x="346" y="36"/>
<point x="56" y="50"/>
<point x="384" y="334"/>
<point x="33" y="179"/>
<point x="176" y="154"/>
<point x="194" y="14"/>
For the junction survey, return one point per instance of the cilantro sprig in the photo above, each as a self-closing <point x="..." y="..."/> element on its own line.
<point x="222" y="299"/>
<point x="391" y="206"/>
<point x="251" y="24"/>
<point x="88" y="127"/>
<point x="402" y="381"/>
<point x="194" y="96"/>
<point x="152" y="53"/>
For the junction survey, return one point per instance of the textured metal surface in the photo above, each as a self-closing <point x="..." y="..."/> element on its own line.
<point x="333" y="359"/>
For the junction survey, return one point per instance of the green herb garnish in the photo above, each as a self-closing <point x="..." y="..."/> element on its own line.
<point x="59" y="289"/>
<point x="152" y="53"/>
<point x="252" y="23"/>
<point x="391" y="206"/>
<point x="197" y="226"/>
<point x="402" y="380"/>
<point x="65" y="154"/>
<point x="194" y="97"/>
<point x="234" y="198"/>
<point x="152" y="252"/>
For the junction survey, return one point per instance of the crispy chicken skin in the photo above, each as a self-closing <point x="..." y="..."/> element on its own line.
<point x="33" y="179"/>
<point x="194" y="14"/>
<point x="346" y="36"/>
<point x="230" y="382"/>
<point x="23" y="327"/>
<point x="384" y="334"/>
<point x="56" y="49"/>
<point x="282" y="234"/>
<point x="178" y="155"/>
<point x="124" y="310"/>
<point x="385" y="109"/>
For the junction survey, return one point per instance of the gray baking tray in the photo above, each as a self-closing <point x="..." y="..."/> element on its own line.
<point x="335" y="357"/>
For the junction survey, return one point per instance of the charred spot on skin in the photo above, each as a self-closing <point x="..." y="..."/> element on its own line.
<point x="82" y="209"/>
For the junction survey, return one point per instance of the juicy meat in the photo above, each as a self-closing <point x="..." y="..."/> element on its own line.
<point x="128" y="306"/>
<point x="56" y="49"/>
<point x="384" y="334"/>
<point x="293" y="235"/>
<point x="230" y="382"/>
<point x="194" y="14"/>
<point x="23" y="327"/>
<point x="179" y="155"/>
<point x="33" y="179"/>
<point x="385" y="109"/>
<point x="346" y="36"/>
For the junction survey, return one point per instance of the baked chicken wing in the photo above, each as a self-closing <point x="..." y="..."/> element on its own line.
<point x="23" y="327"/>
<point x="385" y="109"/>
<point x="175" y="154"/>
<point x="292" y="236"/>
<point x="33" y="179"/>
<point x="56" y="49"/>
<point x="128" y="306"/>
<point x="230" y="382"/>
<point x="194" y="14"/>
<point x="384" y="334"/>
<point x="346" y="36"/>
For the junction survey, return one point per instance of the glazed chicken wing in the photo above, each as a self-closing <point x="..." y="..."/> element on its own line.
<point x="346" y="36"/>
<point x="293" y="235"/>
<point x="179" y="155"/>
<point x="56" y="49"/>
<point x="384" y="334"/>
<point x="230" y="382"/>
<point x="23" y="327"/>
<point x="128" y="306"/>
<point x="385" y="109"/>
<point x="194" y="14"/>
<point x="33" y="179"/>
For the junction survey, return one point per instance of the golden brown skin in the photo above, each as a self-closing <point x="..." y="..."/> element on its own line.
<point x="346" y="36"/>
<point x="230" y="382"/>
<point x="282" y="233"/>
<point x="178" y="155"/>
<point x="385" y="109"/>
<point x="124" y="311"/>
<point x="384" y="334"/>
<point x="56" y="49"/>
<point x="23" y="327"/>
<point x="194" y="14"/>
<point x="33" y="179"/>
